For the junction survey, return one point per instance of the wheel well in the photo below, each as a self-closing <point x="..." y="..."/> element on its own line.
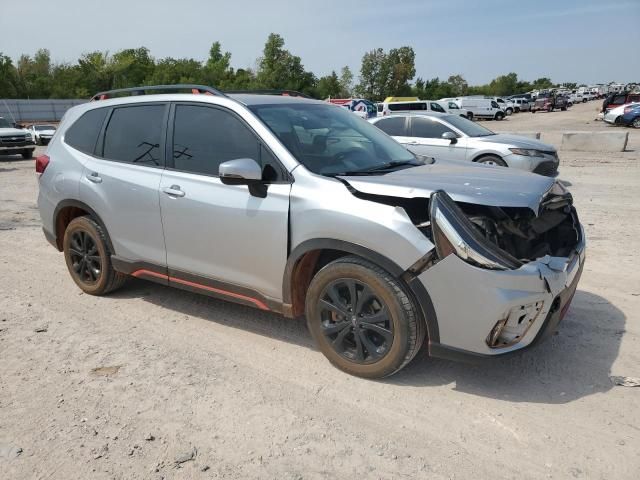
<point x="303" y="272"/>
<point x="483" y="155"/>
<point x="63" y="219"/>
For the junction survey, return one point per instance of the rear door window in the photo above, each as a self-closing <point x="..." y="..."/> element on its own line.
<point x="394" y="126"/>
<point x="437" y="108"/>
<point x="133" y="135"/>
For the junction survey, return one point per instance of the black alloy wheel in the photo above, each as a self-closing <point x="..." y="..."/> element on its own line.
<point x="85" y="258"/>
<point x="355" y="321"/>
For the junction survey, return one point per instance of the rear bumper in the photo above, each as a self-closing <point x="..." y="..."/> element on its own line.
<point x="468" y="302"/>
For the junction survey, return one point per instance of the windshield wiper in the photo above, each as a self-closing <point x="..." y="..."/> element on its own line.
<point x="393" y="164"/>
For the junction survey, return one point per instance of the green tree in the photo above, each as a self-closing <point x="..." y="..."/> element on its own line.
<point x="169" y="70"/>
<point x="279" y="69"/>
<point x="373" y="75"/>
<point x="131" y="67"/>
<point x="459" y="85"/>
<point x="8" y="78"/>
<point x="329" y="86"/>
<point x="217" y="71"/>
<point x="401" y="70"/>
<point x="346" y="82"/>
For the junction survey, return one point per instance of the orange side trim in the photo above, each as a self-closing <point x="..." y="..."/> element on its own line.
<point x="255" y="301"/>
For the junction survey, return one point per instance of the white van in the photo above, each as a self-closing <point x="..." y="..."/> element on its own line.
<point x="389" y="107"/>
<point x="453" y="108"/>
<point x="479" y="107"/>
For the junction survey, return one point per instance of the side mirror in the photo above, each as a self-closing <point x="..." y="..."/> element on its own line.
<point x="243" y="171"/>
<point x="452" y="137"/>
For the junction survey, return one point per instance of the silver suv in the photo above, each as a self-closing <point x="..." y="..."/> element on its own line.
<point x="299" y="207"/>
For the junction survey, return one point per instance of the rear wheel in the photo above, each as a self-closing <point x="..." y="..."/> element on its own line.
<point x="636" y="122"/>
<point x="470" y="115"/>
<point x="362" y="319"/>
<point x="88" y="257"/>
<point x="492" y="160"/>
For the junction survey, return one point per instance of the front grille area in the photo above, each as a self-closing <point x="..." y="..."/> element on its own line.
<point x="13" y="140"/>
<point x="547" y="169"/>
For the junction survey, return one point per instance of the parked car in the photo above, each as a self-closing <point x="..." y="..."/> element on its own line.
<point x="454" y="109"/>
<point x="507" y="106"/>
<point x="14" y="140"/>
<point x="297" y="206"/>
<point x="631" y="117"/>
<point x="614" y="115"/>
<point x="548" y="102"/>
<point x="614" y="100"/>
<point x="479" y="107"/>
<point x="450" y="137"/>
<point x="389" y="107"/>
<point x="521" y="105"/>
<point x="42" y="134"/>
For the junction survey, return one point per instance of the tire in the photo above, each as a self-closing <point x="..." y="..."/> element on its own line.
<point x="517" y="110"/>
<point x="84" y="236"/>
<point x="550" y="109"/>
<point x="27" y="154"/>
<point x="584" y="100"/>
<point x="349" y="343"/>
<point x="509" y="111"/>
<point x="618" y="120"/>
<point x="533" y="110"/>
<point x="564" y="109"/>
<point x="492" y="160"/>
<point x="499" y="116"/>
<point x="470" y="115"/>
<point x="636" y="122"/>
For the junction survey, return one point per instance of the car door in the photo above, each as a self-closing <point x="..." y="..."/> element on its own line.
<point x="120" y="181"/>
<point x="221" y="238"/>
<point x="426" y="139"/>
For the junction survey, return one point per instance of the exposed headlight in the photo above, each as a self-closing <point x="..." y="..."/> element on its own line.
<point x="454" y="233"/>
<point x="526" y="152"/>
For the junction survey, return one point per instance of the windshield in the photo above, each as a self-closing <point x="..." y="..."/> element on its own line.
<point x="44" y="127"/>
<point x="4" y="123"/>
<point x="468" y="127"/>
<point x="331" y="141"/>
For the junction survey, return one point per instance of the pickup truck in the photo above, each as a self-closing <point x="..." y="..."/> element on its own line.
<point x="549" y="102"/>
<point x="14" y="141"/>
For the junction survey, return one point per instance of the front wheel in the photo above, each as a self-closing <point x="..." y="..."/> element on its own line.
<point x="636" y="122"/>
<point x="470" y="115"/>
<point x="564" y="109"/>
<point x="362" y="319"/>
<point x="509" y="111"/>
<point x="499" y="116"/>
<point x="492" y="160"/>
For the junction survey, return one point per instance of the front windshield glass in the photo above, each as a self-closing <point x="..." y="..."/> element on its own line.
<point x="4" y="123"/>
<point x="468" y="127"/>
<point x="44" y="127"/>
<point x="330" y="141"/>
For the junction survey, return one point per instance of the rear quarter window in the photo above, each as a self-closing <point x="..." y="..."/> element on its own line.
<point x="83" y="134"/>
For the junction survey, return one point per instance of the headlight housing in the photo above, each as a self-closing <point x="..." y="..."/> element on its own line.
<point x="454" y="233"/>
<point x="526" y="152"/>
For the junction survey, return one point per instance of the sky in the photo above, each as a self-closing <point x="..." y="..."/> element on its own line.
<point x="583" y="41"/>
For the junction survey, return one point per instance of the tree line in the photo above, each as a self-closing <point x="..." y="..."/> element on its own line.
<point x="382" y="73"/>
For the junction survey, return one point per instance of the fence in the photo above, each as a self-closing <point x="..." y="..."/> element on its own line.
<point x="47" y="110"/>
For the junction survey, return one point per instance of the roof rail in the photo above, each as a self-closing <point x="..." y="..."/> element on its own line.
<point x="127" y="92"/>
<point x="284" y="93"/>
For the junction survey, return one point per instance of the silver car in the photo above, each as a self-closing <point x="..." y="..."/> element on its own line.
<point x="299" y="207"/>
<point x="451" y="137"/>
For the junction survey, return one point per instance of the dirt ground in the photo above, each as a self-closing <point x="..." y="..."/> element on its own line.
<point x="153" y="383"/>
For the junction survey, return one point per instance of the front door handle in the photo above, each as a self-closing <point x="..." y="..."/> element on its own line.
<point x="173" y="191"/>
<point x="94" y="177"/>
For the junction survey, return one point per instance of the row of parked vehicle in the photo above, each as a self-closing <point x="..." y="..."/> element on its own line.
<point x="19" y="139"/>
<point x="622" y="108"/>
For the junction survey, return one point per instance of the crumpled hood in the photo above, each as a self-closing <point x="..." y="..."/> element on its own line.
<point x="522" y="142"/>
<point x="464" y="182"/>
<point x="10" y="132"/>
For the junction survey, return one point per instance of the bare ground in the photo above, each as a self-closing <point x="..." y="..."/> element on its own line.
<point x="120" y="387"/>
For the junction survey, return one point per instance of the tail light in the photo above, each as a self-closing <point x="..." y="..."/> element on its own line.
<point x="41" y="163"/>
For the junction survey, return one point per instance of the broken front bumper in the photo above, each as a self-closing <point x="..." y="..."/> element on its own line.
<point x="488" y="313"/>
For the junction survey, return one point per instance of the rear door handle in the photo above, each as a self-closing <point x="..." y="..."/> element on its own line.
<point x="173" y="191"/>
<point x="94" y="177"/>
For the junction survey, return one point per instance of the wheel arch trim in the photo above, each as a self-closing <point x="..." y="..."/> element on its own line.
<point x="83" y="206"/>
<point x="411" y="282"/>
